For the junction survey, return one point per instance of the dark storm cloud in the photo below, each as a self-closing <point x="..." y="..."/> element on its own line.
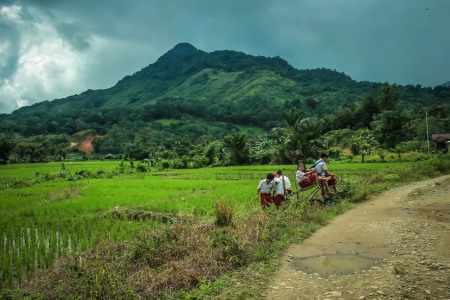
<point x="402" y="42"/>
<point x="74" y="35"/>
<point x="10" y="52"/>
<point x="10" y="40"/>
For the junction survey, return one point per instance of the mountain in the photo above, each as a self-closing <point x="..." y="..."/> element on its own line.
<point x="191" y="74"/>
<point x="190" y="94"/>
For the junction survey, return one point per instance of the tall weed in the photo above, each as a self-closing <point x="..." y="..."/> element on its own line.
<point x="223" y="212"/>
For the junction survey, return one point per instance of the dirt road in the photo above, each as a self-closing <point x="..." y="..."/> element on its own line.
<point x="393" y="246"/>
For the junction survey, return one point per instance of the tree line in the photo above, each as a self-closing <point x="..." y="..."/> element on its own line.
<point x="176" y="134"/>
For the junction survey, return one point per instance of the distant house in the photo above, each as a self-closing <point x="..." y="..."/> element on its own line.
<point x="441" y="142"/>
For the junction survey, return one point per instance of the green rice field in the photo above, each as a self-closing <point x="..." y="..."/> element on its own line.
<point x="50" y="210"/>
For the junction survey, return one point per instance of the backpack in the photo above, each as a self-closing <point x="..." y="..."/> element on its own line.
<point x="317" y="162"/>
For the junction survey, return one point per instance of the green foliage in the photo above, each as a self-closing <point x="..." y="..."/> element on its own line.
<point x="199" y="161"/>
<point x="7" y="294"/>
<point x="334" y="153"/>
<point x="410" y="146"/>
<point x="6" y="147"/>
<point x="142" y="167"/>
<point x="363" y="145"/>
<point x="299" y="140"/>
<point x="341" y="138"/>
<point x="391" y="177"/>
<point x="387" y="97"/>
<point x="389" y="127"/>
<point x="441" y="163"/>
<point x="382" y="153"/>
<point x="238" y="147"/>
<point x="213" y="152"/>
<point x="264" y="151"/>
<point x="368" y="108"/>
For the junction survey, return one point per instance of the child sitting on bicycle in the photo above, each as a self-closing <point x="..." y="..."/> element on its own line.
<point x="305" y="177"/>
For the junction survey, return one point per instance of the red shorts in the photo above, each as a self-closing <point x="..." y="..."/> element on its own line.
<point x="308" y="181"/>
<point x="278" y="199"/>
<point x="332" y="181"/>
<point x="266" y="199"/>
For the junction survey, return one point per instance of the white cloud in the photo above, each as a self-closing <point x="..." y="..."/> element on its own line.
<point x="51" y="63"/>
<point x="12" y="13"/>
<point x="47" y="66"/>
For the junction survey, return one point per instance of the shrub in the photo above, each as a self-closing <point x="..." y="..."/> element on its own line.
<point x="391" y="177"/>
<point x="178" y="163"/>
<point x="164" y="164"/>
<point x="231" y="251"/>
<point x="199" y="161"/>
<point x="223" y="212"/>
<point x="334" y="152"/>
<point x="141" y="168"/>
<point x="347" y="158"/>
<point x="440" y="163"/>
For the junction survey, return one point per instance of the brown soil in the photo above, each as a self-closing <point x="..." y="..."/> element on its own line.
<point x="85" y="144"/>
<point x="405" y="235"/>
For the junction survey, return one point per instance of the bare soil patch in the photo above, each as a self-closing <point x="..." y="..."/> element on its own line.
<point x="404" y="233"/>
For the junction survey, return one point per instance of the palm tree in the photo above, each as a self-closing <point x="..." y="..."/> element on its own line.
<point x="292" y="117"/>
<point x="237" y="144"/>
<point x="299" y="136"/>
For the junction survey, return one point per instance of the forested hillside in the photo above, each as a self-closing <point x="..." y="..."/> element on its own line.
<point x="193" y="108"/>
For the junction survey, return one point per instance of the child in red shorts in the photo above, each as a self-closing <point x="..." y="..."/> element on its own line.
<point x="326" y="177"/>
<point x="305" y="177"/>
<point x="265" y="188"/>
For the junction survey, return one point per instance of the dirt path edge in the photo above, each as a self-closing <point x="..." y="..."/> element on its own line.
<point x="407" y="229"/>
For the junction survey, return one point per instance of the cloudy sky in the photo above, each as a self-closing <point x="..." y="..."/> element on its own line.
<point x="55" y="48"/>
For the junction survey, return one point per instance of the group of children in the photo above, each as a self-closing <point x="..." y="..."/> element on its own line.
<point x="281" y="185"/>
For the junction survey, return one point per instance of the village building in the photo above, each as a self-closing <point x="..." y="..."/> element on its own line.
<point x="441" y="142"/>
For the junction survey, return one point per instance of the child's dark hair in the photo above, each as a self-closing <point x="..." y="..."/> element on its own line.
<point x="323" y="155"/>
<point x="270" y="176"/>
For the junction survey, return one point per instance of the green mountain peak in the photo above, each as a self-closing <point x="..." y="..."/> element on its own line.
<point x="180" y="51"/>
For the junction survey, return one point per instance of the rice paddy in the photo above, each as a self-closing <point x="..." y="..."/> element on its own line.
<point x="50" y="210"/>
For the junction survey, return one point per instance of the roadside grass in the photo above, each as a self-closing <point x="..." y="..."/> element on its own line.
<point x="158" y="235"/>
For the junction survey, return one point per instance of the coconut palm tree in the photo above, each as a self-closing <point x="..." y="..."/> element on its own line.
<point x="237" y="145"/>
<point x="299" y="136"/>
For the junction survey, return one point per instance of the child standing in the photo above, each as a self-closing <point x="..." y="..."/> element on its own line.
<point x="265" y="188"/>
<point x="281" y="188"/>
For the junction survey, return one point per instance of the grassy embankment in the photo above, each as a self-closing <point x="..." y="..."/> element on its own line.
<point x="99" y="230"/>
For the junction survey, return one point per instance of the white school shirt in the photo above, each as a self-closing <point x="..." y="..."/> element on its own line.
<point x="265" y="187"/>
<point x="279" y="190"/>
<point x="300" y="176"/>
<point x="321" y="168"/>
<point x="287" y="183"/>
